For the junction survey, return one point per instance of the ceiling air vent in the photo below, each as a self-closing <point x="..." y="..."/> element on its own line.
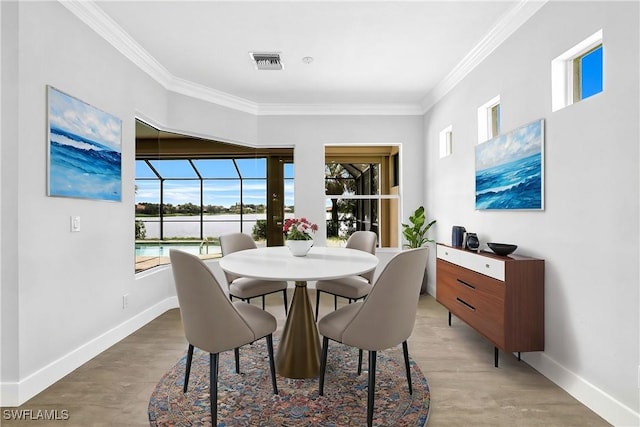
<point x="267" y="61"/>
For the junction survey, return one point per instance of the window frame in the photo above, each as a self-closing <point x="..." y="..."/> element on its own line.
<point x="577" y="74"/>
<point x="388" y="199"/>
<point x="564" y="73"/>
<point x="489" y="119"/>
<point x="446" y="142"/>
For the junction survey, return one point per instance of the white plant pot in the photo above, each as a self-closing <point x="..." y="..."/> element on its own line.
<point x="299" y="247"/>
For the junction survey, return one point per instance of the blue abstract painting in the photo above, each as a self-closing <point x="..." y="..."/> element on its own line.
<point x="510" y="169"/>
<point x="84" y="149"/>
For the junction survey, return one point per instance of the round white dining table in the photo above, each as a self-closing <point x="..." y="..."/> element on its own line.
<point x="298" y="353"/>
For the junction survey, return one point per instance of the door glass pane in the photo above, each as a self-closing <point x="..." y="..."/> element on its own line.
<point x="288" y="191"/>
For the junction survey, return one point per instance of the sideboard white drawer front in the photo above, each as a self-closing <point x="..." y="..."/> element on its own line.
<point x="484" y="265"/>
<point x="470" y="260"/>
<point x="449" y="254"/>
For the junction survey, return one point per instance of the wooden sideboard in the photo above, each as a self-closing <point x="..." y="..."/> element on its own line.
<point x="501" y="297"/>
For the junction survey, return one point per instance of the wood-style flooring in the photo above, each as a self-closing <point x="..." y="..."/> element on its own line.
<point x="113" y="389"/>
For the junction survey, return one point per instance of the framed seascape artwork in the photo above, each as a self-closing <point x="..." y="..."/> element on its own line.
<point x="510" y="169"/>
<point x="84" y="149"/>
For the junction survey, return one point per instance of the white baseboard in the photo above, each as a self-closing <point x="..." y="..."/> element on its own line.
<point x="594" y="398"/>
<point x="16" y="393"/>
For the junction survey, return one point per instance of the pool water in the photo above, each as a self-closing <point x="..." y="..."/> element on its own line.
<point x="162" y="250"/>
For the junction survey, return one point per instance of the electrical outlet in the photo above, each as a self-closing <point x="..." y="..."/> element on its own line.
<point x="125" y="301"/>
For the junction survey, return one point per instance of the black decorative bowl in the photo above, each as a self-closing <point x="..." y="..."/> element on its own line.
<point x="502" y="248"/>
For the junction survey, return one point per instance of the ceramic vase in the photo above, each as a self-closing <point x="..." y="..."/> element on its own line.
<point x="299" y="247"/>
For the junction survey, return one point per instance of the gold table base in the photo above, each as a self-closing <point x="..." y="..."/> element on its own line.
<point x="299" y="348"/>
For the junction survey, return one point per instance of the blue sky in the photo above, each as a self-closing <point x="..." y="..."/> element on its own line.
<point x="224" y="190"/>
<point x="591" y="72"/>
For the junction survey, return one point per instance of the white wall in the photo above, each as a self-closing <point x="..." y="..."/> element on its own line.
<point x="200" y="118"/>
<point x="588" y="232"/>
<point x="8" y="191"/>
<point x="61" y="292"/>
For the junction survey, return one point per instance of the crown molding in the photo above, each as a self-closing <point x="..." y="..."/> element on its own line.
<point x="92" y="15"/>
<point x="507" y="25"/>
<point x="340" y="110"/>
<point x="205" y="93"/>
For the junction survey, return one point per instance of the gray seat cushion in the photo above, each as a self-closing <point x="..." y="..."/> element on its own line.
<point x="245" y="287"/>
<point x="354" y="287"/>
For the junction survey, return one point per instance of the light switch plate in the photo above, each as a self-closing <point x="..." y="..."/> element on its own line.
<point x="75" y="224"/>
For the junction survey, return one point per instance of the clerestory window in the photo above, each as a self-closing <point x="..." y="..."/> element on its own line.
<point x="578" y="73"/>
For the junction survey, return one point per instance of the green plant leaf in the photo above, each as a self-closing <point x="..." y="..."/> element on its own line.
<point x="415" y="234"/>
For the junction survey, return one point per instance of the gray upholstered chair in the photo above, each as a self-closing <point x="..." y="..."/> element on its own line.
<point x="246" y="288"/>
<point x="352" y="288"/>
<point x="213" y="323"/>
<point x="383" y="320"/>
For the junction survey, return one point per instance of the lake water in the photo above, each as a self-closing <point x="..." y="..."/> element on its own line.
<point x="189" y="225"/>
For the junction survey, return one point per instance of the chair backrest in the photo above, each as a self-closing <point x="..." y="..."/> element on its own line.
<point x="209" y="319"/>
<point x="234" y="242"/>
<point x="387" y="316"/>
<point x="364" y="241"/>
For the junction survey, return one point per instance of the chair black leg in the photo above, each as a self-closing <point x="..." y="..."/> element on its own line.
<point x="263" y="302"/>
<point x="272" y="364"/>
<point x="284" y="296"/>
<point x="371" y="387"/>
<point x="187" y="371"/>
<point x="405" y="350"/>
<point x="323" y="364"/>
<point x="213" y="388"/>
<point x="335" y="302"/>
<point x="359" y="361"/>
<point x="236" y="353"/>
<point x="317" y="303"/>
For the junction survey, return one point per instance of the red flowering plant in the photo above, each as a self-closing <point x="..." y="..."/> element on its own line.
<point x="298" y="229"/>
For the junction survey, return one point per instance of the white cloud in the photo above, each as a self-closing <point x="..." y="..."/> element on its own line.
<point x="74" y="116"/>
<point x="515" y="145"/>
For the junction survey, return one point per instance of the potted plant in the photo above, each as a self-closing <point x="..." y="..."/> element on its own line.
<point x="297" y="234"/>
<point x="415" y="235"/>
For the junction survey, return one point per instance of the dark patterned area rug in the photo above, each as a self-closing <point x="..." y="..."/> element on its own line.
<point x="247" y="399"/>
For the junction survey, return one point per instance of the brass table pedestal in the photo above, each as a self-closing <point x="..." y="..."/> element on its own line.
<point x="299" y="348"/>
